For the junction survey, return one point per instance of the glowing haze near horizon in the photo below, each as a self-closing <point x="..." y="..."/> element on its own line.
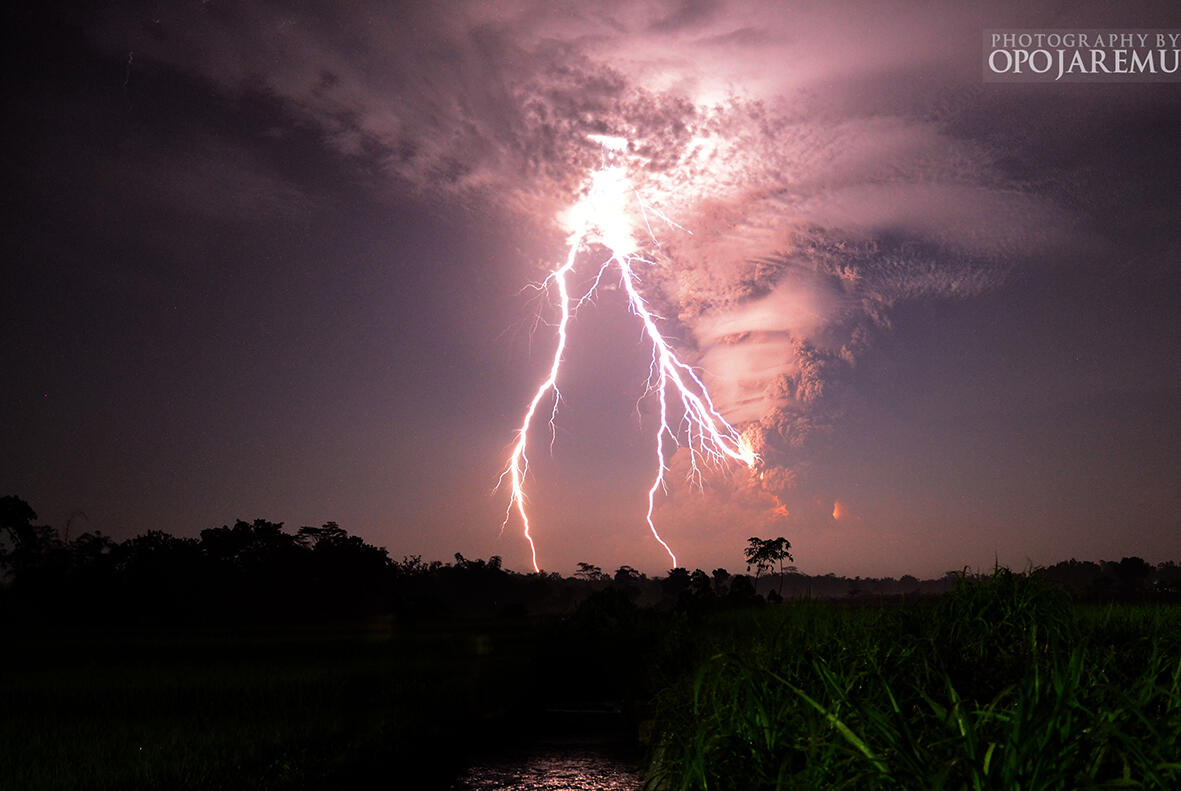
<point x="271" y="258"/>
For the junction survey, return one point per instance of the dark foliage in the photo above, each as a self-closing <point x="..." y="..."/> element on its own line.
<point x="257" y="571"/>
<point x="245" y="572"/>
<point x="1002" y="683"/>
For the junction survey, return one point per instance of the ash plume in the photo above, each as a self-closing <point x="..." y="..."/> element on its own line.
<point x="823" y="186"/>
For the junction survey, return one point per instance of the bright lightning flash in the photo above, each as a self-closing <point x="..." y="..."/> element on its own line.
<point x="602" y="217"/>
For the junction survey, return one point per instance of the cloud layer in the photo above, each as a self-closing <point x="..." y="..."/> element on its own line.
<point x="810" y="155"/>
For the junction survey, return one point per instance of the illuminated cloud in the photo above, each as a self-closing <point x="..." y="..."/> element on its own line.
<point x="814" y="160"/>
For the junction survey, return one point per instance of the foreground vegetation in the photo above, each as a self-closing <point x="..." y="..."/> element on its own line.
<point x="252" y="657"/>
<point x="1001" y="684"/>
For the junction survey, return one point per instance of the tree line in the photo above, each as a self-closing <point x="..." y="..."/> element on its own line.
<point x="258" y="571"/>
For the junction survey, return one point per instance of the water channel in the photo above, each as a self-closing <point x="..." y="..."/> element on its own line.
<point x="575" y="749"/>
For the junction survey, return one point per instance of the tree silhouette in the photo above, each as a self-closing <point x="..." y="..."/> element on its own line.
<point x="590" y="572"/>
<point x="678" y="580"/>
<point x="742" y="591"/>
<point x="330" y="535"/>
<point x="700" y="584"/>
<point x="31" y="556"/>
<point x="247" y="544"/>
<point x="626" y="574"/>
<point x="721" y="581"/>
<point x="1132" y="575"/>
<point x="16" y="519"/>
<point x="764" y="554"/>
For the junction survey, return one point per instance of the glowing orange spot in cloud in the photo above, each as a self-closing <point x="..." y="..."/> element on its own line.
<point x="837" y="510"/>
<point x="780" y="509"/>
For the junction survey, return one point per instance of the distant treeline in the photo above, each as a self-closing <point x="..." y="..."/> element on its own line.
<point x="256" y="571"/>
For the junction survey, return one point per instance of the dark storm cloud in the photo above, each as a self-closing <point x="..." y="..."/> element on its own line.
<point x="829" y="159"/>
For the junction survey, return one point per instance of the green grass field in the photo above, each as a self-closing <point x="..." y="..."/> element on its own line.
<point x="999" y="685"/>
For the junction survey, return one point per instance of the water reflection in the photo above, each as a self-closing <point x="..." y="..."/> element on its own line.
<point x="555" y="769"/>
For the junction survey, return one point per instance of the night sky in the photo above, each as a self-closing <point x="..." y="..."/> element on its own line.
<point x="267" y="260"/>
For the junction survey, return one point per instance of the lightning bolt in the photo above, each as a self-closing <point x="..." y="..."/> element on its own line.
<point x="602" y="217"/>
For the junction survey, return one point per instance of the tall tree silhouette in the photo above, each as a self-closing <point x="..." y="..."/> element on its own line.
<point x="764" y="554"/>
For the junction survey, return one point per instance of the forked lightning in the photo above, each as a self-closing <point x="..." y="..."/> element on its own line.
<point x="605" y="216"/>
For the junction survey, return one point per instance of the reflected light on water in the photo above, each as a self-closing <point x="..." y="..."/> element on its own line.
<point x="556" y="770"/>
